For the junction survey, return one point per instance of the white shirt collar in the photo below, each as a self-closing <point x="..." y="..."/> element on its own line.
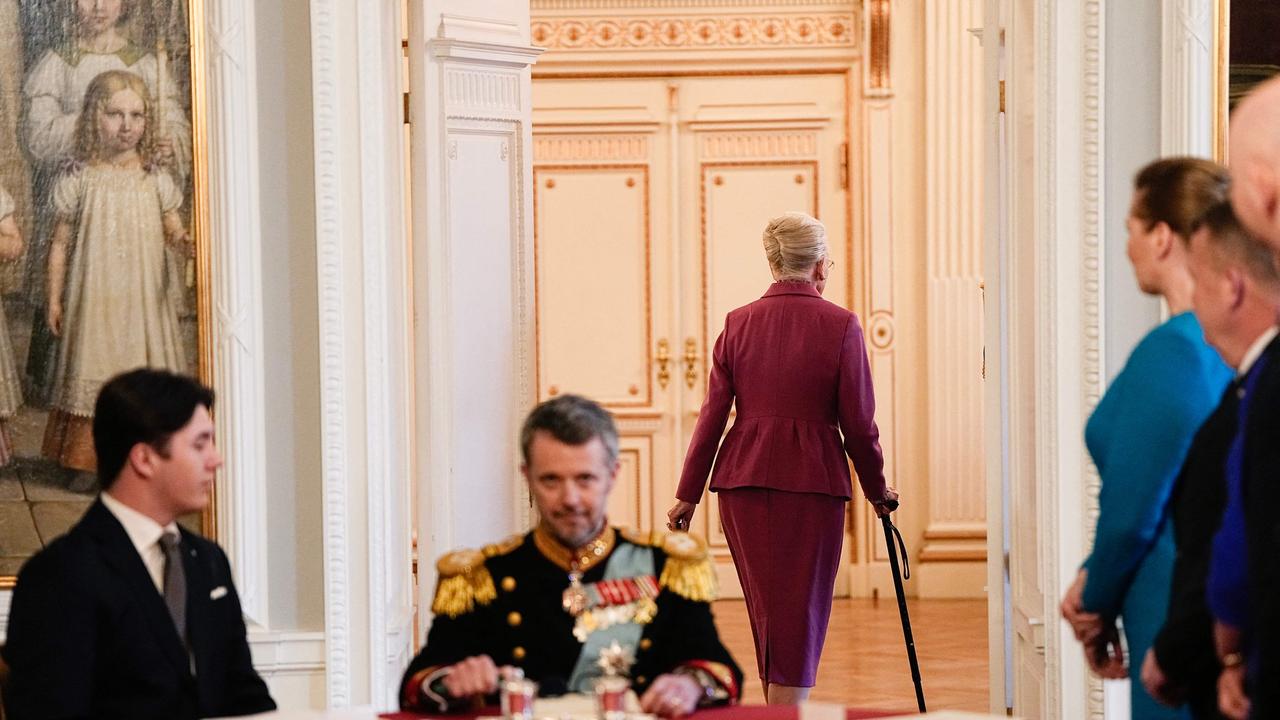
<point x="142" y="530"/>
<point x="1255" y="350"/>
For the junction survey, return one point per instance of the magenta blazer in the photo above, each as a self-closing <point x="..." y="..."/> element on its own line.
<point x="797" y="367"/>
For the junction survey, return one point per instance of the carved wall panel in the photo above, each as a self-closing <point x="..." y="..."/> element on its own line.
<point x="592" y="240"/>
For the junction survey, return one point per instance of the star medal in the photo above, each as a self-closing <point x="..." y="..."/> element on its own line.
<point x="575" y="600"/>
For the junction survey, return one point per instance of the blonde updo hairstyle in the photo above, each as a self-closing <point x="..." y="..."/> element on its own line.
<point x="793" y="243"/>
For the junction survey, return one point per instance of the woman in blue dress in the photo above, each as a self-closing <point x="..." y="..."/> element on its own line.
<point x="1139" y="434"/>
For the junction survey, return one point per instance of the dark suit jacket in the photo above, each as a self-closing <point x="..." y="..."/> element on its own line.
<point x="796" y="365"/>
<point x="90" y="637"/>
<point x="1184" y="646"/>
<point x="1262" y="533"/>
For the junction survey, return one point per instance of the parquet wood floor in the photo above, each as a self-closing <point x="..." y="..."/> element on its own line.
<point x="864" y="663"/>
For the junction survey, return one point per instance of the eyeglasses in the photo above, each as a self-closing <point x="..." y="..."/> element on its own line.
<point x="830" y="263"/>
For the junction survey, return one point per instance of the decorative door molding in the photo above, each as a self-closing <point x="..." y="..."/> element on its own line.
<point x="364" y="349"/>
<point x="1187" y="77"/>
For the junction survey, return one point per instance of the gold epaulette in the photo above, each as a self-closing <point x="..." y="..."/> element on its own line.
<point x="688" y="572"/>
<point x="504" y="547"/>
<point x="465" y="582"/>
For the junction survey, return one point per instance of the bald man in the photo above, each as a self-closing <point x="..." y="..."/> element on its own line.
<point x="1254" y="160"/>
<point x="1251" y="652"/>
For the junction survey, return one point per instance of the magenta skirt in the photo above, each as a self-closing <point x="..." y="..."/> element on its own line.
<point x="786" y="547"/>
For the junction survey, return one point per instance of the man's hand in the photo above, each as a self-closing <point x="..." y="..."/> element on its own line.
<point x="473" y="676"/>
<point x="1232" y="700"/>
<point x="1086" y="625"/>
<point x="1157" y="684"/>
<point x="671" y="696"/>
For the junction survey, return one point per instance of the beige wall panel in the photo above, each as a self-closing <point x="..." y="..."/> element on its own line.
<point x="738" y="200"/>
<point x="630" y="503"/>
<point x="594" y="280"/>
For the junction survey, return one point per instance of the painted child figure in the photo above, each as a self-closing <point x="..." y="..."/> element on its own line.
<point x="108" y="298"/>
<point x="11" y="247"/>
<point x="96" y="41"/>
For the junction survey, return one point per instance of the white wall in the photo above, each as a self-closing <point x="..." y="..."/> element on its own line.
<point x="1132" y="139"/>
<point x="291" y="654"/>
<point x="290" y="321"/>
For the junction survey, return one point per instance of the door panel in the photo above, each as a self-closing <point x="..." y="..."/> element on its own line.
<point x="738" y="199"/>
<point x="593" y="275"/>
<point x="630" y="504"/>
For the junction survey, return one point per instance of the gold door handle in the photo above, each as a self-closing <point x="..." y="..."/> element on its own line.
<point x="691" y="362"/>
<point x="663" y="358"/>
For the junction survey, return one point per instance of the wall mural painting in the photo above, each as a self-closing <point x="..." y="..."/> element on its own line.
<point x="97" y="263"/>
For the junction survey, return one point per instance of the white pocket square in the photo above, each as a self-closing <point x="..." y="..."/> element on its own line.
<point x="218" y="592"/>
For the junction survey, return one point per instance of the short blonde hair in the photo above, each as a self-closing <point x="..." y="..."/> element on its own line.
<point x="793" y="243"/>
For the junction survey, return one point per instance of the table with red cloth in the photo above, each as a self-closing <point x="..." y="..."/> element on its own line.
<point x="732" y="712"/>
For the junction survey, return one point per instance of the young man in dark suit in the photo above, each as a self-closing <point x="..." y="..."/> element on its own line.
<point x="129" y="615"/>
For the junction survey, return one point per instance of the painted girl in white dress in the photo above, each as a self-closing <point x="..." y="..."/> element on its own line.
<point x="108" y="298"/>
<point x="54" y="93"/>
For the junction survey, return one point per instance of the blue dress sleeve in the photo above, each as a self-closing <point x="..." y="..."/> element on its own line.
<point x="1172" y="384"/>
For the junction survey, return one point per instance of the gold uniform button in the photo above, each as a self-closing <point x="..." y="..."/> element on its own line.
<point x="645" y="644"/>
<point x="518" y="652"/>
<point x="513" y="619"/>
<point x="508" y="583"/>
<point x="640" y="680"/>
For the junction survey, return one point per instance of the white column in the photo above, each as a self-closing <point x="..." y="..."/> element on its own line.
<point x="470" y="110"/>
<point x="235" y="279"/>
<point x="1186" y="73"/>
<point x="365" y="347"/>
<point x="954" y="553"/>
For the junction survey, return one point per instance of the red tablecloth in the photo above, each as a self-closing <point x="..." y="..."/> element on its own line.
<point x="736" y="712"/>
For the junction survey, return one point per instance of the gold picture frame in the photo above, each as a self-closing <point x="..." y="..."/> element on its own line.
<point x="55" y="60"/>
<point x="1244" y="53"/>
<point x="1221" y="76"/>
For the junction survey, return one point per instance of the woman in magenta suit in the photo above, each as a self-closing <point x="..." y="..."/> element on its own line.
<point x="797" y="367"/>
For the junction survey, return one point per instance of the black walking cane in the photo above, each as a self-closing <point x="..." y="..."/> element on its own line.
<point x="890" y="532"/>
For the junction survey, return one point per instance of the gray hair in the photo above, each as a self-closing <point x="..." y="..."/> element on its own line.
<point x="793" y="243"/>
<point x="573" y="420"/>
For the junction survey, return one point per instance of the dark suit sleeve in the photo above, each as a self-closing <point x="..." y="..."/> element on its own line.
<point x="51" y="645"/>
<point x="1184" y="646"/>
<point x="246" y="693"/>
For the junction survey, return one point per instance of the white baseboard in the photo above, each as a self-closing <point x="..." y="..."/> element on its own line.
<point x="292" y="663"/>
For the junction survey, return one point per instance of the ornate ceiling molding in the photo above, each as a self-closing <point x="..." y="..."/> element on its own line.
<point x="695" y="31"/>
<point x="537" y="6"/>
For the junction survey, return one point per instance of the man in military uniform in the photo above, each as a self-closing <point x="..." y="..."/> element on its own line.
<point x="550" y="601"/>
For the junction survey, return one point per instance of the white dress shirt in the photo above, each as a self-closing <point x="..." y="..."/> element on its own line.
<point x="145" y="534"/>
<point x="1255" y="350"/>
